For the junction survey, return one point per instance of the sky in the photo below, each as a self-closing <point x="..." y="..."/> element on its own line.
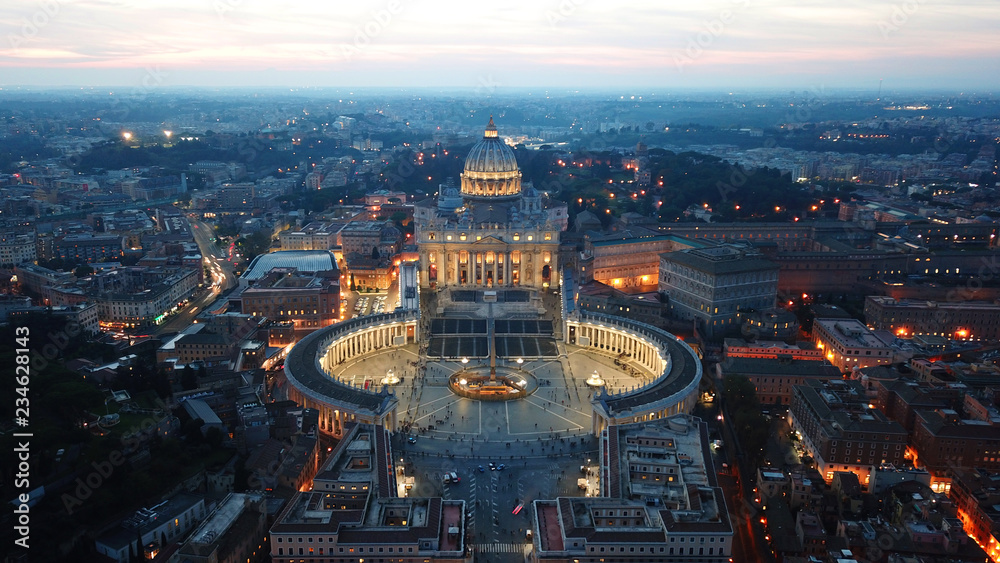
<point x="490" y="46"/>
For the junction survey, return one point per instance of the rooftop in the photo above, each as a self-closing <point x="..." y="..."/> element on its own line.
<point x="302" y="260"/>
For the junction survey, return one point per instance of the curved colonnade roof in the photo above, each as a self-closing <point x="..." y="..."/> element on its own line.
<point x="303" y="371"/>
<point x="684" y="368"/>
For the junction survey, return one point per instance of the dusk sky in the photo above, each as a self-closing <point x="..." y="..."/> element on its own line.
<point x="744" y="44"/>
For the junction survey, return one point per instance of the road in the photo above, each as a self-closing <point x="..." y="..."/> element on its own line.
<point x="221" y="279"/>
<point x="737" y="486"/>
<point x="211" y="254"/>
<point x="496" y="533"/>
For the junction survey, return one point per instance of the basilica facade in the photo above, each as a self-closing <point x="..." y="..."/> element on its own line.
<point x="493" y="232"/>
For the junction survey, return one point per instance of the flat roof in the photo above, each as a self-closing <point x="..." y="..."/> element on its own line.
<point x="303" y="371"/>
<point x="303" y="260"/>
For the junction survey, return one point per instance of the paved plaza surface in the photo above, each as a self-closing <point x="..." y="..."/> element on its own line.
<point x="558" y="412"/>
<point x="544" y="440"/>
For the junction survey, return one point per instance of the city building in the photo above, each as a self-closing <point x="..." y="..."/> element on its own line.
<point x="901" y="399"/>
<point x="310" y="300"/>
<point x="849" y="344"/>
<point x="313" y="236"/>
<point x="498" y="236"/>
<point x="379" y="198"/>
<point x="149" y="305"/>
<point x="958" y="320"/>
<point x="83" y="314"/>
<point x="976" y="494"/>
<point x="600" y="298"/>
<point x="301" y="260"/>
<point x="739" y="348"/>
<point x="769" y="324"/>
<point x="628" y="259"/>
<point x="944" y="439"/>
<point x="17" y="249"/>
<point x="364" y="273"/>
<point x="235" y="531"/>
<point x="711" y="285"/>
<point x="774" y="379"/>
<point x="202" y="346"/>
<point x="842" y="431"/>
<point x="235" y="197"/>
<point x="374" y="239"/>
<point x="353" y="512"/>
<point x="89" y="248"/>
<point x="660" y="501"/>
<point x="141" y="536"/>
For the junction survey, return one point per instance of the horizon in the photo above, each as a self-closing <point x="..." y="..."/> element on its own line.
<point x="726" y="45"/>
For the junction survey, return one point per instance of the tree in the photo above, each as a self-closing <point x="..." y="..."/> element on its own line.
<point x="192" y="430"/>
<point x="83" y="271"/>
<point x="748" y="423"/>
<point x="213" y="437"/>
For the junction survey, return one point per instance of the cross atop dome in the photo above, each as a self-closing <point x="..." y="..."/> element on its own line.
<point x="491" y="129"/>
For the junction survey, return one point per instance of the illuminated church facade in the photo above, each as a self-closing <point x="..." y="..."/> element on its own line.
<point x="493" y="232"/>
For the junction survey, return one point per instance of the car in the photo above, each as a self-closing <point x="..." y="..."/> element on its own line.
<point x="454" y="477"/>
<point x="481" y="470"/>
<point x="493" y="466"/>
<point x="412" y="439"/>
<point x="517" y="508"/>
<point x="501" y="467"/>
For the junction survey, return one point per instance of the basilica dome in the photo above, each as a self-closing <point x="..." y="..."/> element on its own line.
<point x="490" y="169"/>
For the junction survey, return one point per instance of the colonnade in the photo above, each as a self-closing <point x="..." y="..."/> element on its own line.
<point x="310" y="365"/>
<point x="486" y="268"/>
<point x="675" y="367"/>
<point x="617" y="341"/>
<point x="363" y="341"/>
<point x="686" y="404"/>
<point x="452" y="265"/>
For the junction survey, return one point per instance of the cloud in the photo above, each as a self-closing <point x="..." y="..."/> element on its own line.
<point x="554" y="38"/>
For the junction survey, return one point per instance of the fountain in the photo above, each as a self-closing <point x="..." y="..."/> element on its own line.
<point x="595" y="380"/>
<point x="498" y="383"/>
